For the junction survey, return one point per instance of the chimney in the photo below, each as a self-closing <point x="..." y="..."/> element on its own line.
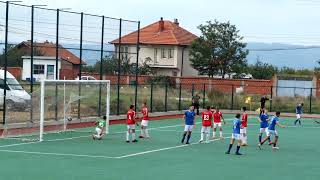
<point x="161" y="24"/>
<point x="176" y="22"/>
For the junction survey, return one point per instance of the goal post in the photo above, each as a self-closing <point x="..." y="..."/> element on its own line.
<point x="77" y="103"/>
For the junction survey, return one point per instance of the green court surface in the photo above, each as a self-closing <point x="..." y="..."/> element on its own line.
<point x="75" y="156"/>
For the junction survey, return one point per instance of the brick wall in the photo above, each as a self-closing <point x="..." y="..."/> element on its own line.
<point x="15" y="71"/>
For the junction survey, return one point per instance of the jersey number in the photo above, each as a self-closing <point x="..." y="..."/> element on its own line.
<point x="206" y="117"/>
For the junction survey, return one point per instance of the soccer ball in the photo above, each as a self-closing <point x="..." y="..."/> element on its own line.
<point x="69" y="118"/>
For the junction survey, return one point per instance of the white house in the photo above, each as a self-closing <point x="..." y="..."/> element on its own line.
<point x="165" y="44"/>
<point x="44" y="67"/>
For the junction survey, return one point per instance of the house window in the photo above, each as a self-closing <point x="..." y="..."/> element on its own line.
<point x="174" y="73"/>
<point x="170" y="53"/>
<point x="155" y="55"/>
<point x="38" y="69"/>
<point x="163" y="54"/>
<point x="124" y="52"/>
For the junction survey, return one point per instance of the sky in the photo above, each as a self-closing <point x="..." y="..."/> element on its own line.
<point x="285" y="21"/>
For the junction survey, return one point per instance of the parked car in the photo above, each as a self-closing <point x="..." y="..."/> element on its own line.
<point x="86" y="78"/>
<point x="17" y="97"/>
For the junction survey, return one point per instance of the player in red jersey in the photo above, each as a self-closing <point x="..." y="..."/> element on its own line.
<point x="145" y="121"/>
<point x="217" y="116"/>
<point x="243" y="127"/>
<point x="206" y="124"/>
<point x="131" y="124"/>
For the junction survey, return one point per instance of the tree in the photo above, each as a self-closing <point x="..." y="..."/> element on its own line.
<point x="219" y="50"/>
<point x="110" y="66"/>
<point x="14" y="57"/>
<point x="261" y="70"/>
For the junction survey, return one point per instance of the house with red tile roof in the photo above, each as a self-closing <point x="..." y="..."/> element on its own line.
<point x="165" y="44"/>
<point x="45" y="61"/>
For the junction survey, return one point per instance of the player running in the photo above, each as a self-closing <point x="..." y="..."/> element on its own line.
<point x="244" y="125"/>
<point x="188" y="117"/>
<point x="217" y="116"/>
<point x="298" y="114"/>
<point x="131" y="125"/>
<point x="263" y="119"/>
<point x="100" y="127"/>
<point x="272" y="131"/>
<point x="235" y="135"/>
<point x="206" y="124"/>
<point x="144" y="122"/>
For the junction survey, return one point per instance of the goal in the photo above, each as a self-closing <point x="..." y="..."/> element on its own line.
<point x="69" y="106"/>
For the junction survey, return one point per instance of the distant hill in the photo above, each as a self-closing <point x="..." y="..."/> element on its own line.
<point x="298" y="58"/>
<point x="267" y="52"/>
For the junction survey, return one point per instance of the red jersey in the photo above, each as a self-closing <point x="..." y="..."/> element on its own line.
<point x="217" y="117"/>
<point x="131" y="117"/>
<point x="206" y="118"/>
<point x="145" y="113"/>
<point x="244" y="122"/>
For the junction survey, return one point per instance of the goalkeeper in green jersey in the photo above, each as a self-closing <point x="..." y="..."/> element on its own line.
<point x="100" y="127"/>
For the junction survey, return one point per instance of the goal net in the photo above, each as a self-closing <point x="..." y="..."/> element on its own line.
<point x="69" y="106"/>
<point x="60" y="109"/>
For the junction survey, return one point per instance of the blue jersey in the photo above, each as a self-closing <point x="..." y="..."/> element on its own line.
<point x="264" y="122"/>
<point x="236" y="126"/>
<point x="189" y="117"/>
<point x="299" y="109"/>
<point x="274" y="121"/>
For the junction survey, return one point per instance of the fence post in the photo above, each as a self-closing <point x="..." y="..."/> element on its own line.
<point x="119" y="54"/>
<point x="192" y="91"/>
<point x="166" y="98"/>
<point x="310" y="102"/>
<point x="137" y="63"/>
<point x="151" y="97"/>
<point x="271" y="96"/>
<point x="5" y="63"/>
<point x="80" y="56"/>
<point x="31" y="61"/>
<point x="180" y="97"/>
<point x="101" y="63"/>
<point x="57" y="64"/>
<point x="204" y="96"/>
<point x="232" y="96"/>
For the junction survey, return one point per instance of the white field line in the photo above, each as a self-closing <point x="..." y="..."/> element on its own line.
<point x="18" y="144"/>
<point x="57" y="154"/>
<point x="162" y="149"/>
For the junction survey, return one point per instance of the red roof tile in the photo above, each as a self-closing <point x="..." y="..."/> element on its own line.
<point x="171" y="34"/>
<point x="49" y="49"/>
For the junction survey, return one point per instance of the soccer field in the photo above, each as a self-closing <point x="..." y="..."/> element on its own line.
<point x="77" y="156"/>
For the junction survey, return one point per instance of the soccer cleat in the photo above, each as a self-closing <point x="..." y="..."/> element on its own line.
<point x="201" y="141"/>
<point x="237" y="153"/>
<point x="135" y="141"/>
<point x="141" y="137"/>
<point x="93" y="137"/>
<point x="259" y="145"/>
<point x="187" y="143"/>
<point x="227" y="152"/>
<point x="275" y="148"/>
<point x="127" y="141"/>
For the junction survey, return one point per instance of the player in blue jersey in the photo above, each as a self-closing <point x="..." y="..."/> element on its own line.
<point x="298" y="114"/>
<point x="235" y="135"/>
<point x="263" y="119"/>
<point x="272" y="131"/>
<point x="188" y="117"/>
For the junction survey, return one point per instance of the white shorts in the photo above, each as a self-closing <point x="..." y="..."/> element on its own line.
<point x="98" y="131"/>
<point x="145" y="123"/>
<point x="263" y="130"/>
<point x="235" y="136"/>
<point x="131" y="127"/>
<point x="272" y="132"/>
<point x="298" y="116"/>
<point x="205" y="129"/>
<point x="215" y="125"/>
<point x="243" y="130"/>
<point x="188" y="127"/>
